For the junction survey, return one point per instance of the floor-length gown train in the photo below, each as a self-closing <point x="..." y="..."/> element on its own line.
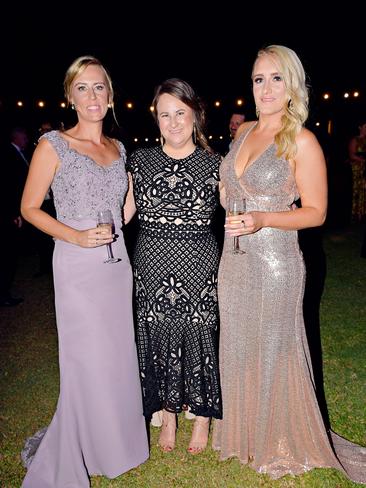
<point x="271" y="418"/>
<point x="98" y="427"/>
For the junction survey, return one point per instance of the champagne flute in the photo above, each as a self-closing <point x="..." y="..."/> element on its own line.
<point x="105" y="221"/>
<point x="236" y="206"/>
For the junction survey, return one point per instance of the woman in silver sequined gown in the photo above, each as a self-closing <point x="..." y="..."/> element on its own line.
<point x="271" y="418"/>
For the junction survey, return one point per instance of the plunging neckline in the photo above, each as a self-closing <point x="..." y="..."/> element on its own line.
<point x="103" y="166"/>
<point x="248" y="165"/>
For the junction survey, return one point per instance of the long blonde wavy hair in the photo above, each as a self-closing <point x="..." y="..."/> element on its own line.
<point x="296" y="108"/>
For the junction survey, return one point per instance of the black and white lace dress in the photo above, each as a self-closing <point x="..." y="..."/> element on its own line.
<point x="175" y="269"/>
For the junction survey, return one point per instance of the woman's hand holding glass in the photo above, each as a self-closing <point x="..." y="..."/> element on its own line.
<point x="94" y="237"/>
<point x="249" y="223"/>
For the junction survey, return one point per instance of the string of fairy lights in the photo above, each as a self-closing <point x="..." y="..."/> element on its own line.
<point x="129" y="105"/>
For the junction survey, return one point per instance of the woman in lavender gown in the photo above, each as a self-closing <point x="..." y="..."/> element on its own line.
<point x="98" y="427"/>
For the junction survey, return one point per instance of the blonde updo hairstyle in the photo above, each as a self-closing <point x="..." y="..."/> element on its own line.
<point x="296" y="108"/>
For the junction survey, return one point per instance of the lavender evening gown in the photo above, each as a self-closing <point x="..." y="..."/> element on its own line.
<point x="271" y="419"/>
<point x="98" y="427"/>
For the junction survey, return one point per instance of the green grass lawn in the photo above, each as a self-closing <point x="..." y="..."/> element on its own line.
<point x="29" y="382"/>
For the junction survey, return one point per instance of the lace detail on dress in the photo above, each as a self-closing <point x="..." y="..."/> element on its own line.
<point x="31" y="446"/>
<point x="81" y="186"/>
<point x="175" y="269"/>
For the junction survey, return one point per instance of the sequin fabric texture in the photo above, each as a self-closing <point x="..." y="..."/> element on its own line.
<point x="175" y="269"/>
<point x="271" y="418"/>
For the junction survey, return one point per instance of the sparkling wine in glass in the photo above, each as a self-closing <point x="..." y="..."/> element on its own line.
<point x="236" y="206"/>
<point x="105" y="221"/>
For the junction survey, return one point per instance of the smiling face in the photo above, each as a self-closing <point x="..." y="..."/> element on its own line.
<point x="269" y="90"/>
<point x="175" y="121"/>
<point x="90" y="94"/>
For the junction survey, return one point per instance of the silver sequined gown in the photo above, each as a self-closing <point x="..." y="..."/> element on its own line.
<point x="271" y="417"/>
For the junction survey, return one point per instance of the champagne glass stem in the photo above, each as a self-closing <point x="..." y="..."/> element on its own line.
<point x="236" y="244"/>
<point x="111" y="258"/>
<point x="109" y="251"/>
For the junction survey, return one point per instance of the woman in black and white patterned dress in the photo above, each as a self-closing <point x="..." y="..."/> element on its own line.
<point x="175" y="267"/>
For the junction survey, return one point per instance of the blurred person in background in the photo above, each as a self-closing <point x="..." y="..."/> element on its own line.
<point x="357" y="159"/>
<point x="14" y="170"/>
<point x="236" y="119"/>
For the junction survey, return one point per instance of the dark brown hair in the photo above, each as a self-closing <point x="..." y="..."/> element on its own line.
<point x="185" y="93"/>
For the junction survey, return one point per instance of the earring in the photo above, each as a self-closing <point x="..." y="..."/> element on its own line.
<point x="72" y="106"/>
<point x="194" y="133"/>
<point x="161" y="140"/>
<point x="257" y="112"/>
<point x="109" y="105"/>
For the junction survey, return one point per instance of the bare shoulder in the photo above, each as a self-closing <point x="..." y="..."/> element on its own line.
<point x="306" y="138"/>
<point x="243" y="127"/>
<point x="45" y="146"/>
<point x="309" y="152"/>
<point x="45" y="151"/>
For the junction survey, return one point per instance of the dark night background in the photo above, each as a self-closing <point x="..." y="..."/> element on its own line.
<point x="213" y="48"/>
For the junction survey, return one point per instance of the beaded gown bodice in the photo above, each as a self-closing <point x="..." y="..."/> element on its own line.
<point x="81" y="187"/>
<point x="268" y="183"/>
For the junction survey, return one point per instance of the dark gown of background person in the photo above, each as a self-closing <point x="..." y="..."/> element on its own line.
<point x="311" y="245"/>
<point x="271" y="417"/>
<point x="44" y="243"/>
<point x="175" y="268"/>
<point x="98" y="427"/>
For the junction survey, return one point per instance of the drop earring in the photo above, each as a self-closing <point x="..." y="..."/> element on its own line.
<point x="257" y="112"/>
<point x="161" y="141"/>
<point x="194" y="133"/>
<point x="72" y="106"/>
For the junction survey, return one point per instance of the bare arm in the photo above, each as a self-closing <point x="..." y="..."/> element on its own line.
<point x="129" y="208"/>
<point x="42" y="170"/>
<point x="311" y="180"/>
